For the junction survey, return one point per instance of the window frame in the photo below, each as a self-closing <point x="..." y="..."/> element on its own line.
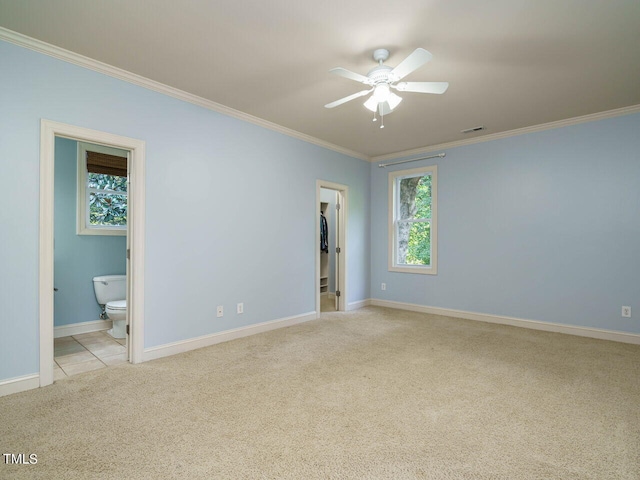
<point x="82" y="216"/>
<point x="394" y="205"/>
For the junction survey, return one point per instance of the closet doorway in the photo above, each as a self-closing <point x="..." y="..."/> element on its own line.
<point x="331" y="251"/>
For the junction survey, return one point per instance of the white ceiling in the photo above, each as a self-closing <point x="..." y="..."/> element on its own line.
<point x="510" y="63"/>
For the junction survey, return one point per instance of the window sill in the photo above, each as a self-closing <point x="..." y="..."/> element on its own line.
<point x="419" y="269"/>
<point x="103" y="231"/>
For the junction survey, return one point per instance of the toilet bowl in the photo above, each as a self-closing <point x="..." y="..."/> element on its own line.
<point x="117" y="313"/>
<point x="111" y="293"/>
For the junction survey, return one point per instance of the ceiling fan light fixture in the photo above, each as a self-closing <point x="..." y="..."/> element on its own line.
<point x="371" y="104"/>
<point x="382" y="92"/>
<point x="393" y="100"/>
<point x="383" y="107"/>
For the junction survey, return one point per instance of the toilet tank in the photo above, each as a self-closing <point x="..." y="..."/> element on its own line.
<point x="109" y="288"/>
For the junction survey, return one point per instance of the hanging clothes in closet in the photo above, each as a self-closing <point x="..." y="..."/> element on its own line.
<point x="324" y="234"/>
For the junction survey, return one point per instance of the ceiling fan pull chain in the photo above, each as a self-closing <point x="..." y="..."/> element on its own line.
<point x="374" y="117"/>
<point x="382" y="118"/>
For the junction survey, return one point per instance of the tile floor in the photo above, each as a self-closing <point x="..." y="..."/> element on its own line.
<point x="86" y="352"/>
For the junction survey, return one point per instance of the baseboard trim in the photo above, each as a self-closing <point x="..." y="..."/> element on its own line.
<point x="601" y="334"/>
<point x="358" y="304"/>
<point x="83" y="327"/>
<point x="19" y="384"/>
<point x="219" y="337"/>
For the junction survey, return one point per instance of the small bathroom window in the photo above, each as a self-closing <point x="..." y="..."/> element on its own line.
<point x="102" y="190"/>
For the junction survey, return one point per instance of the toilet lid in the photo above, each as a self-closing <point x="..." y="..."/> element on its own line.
<point x="117" y="305"/>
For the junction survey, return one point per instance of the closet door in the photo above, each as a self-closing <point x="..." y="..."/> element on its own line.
<point x="338" y="250"/>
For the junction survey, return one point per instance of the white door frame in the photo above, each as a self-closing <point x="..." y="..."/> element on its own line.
<point x="341" y="218"/>
<point x="135" y="233"/>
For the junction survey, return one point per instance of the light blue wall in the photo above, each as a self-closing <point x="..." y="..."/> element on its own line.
<point x="543" y="226"/>
<point x="230" y="206"/>
<point x="78" y="258"/>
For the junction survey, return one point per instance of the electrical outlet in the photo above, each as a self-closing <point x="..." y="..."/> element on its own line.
<point x="240" y="308"/>
<point x="383" y="286"/>
<point x="626" y="312"/>
<point x="219" y="311"/>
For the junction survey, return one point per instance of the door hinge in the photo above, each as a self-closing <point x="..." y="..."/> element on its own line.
<point x="337" y="293"/>
<point x="337" y="206"/>
<point x="127" y="329"/>
<point x="338" y="250"/>
<point x="128" y="254"/>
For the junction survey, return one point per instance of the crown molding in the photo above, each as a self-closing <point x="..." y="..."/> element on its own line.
<point x="115" y="72"/>
<point x="512" y="133"/>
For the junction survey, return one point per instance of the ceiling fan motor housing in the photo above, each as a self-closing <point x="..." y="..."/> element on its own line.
<point x="380" y="74"/>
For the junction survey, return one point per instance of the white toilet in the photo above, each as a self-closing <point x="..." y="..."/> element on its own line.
<point x="111" y="293"/>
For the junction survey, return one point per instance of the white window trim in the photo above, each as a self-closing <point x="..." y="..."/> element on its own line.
<point x="392" y="205"/>
<point x="82" y="216"/>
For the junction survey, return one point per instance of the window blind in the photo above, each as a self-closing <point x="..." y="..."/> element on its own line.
<point x="106" y="164"/>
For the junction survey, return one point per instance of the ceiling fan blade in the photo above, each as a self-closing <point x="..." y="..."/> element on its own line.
<point x="347" y="99"/>
<point x="343" y="72"/>
<point x="414" y="61"/>
<point x="422" y="87"/>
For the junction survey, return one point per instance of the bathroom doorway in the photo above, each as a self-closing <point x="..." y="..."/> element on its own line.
<point x="80" y="254"/>
<point x="331" y="274"/>
<point x="90" y="232"/>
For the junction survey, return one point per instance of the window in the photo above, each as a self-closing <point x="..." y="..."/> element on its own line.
<point x="102" y="190"/>
<point x="412" y="220"/>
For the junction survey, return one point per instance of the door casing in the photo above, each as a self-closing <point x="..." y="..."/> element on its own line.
<point x="135" y="235"/>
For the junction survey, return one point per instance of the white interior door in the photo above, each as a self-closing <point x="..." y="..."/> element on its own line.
<point x="129" y="298"/>
<point x="338" y="250"/>
<point x="339" y="246"/>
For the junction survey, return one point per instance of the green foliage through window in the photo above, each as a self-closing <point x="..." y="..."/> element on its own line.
<point x="414" y="225"/>
<point x="107" y="200"/>
<point x="419" y="251"/>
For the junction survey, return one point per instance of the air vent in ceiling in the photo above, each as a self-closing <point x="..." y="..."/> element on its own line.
<point x="474" y="129"/>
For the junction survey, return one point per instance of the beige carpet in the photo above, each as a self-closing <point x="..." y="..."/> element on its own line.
<point x="370" y="394"/>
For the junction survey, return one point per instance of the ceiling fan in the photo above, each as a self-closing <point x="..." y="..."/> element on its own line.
<point x="382" y="79"/>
